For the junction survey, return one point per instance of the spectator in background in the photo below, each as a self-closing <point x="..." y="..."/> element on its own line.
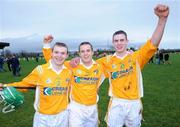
<point x="9" y="62"/>
<point x="157" y="56"/>
<point x="15" y="65"/>
<point x="27" y="58"/>
<point x="37" y="57"/>
<point x="161" y="57"/>
<point x="166" y="59"/>
<point x="1" y="64"/>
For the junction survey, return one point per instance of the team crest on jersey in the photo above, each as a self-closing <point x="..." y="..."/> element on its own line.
<point x="48" y="81"/>
<point x="79" y="71"/>
<point x="114" y="66"/>
<point x="96" y="71"/>
<point x="57" y="81"/>
<point x="122" y="66"/>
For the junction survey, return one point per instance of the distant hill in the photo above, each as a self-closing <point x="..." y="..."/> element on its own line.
<point x="33" y="43"/>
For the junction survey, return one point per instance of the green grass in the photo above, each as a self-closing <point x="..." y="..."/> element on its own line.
<point x="161" y="100"/>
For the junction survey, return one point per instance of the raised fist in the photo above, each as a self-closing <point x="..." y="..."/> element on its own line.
<point x="48" y="39"/>
<point x="162" y="11"/>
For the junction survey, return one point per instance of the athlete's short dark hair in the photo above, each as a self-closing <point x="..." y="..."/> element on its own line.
<point x="86" y="43"/>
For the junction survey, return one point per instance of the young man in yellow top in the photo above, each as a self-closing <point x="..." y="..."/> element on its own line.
<point x="87" y="77"/>
<point x="124" y="72"/>
<point x="52" y="82"/>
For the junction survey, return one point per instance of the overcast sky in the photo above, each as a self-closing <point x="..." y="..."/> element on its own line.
<point x="88" y="19"/>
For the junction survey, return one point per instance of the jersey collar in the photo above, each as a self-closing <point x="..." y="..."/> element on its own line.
<point x="57" y="72"/>
<point x="127" y="53"/>
<point x="93" y="62"/>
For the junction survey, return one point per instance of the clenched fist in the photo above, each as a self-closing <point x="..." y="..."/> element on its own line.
<point x="162" y="11"/>
<point x="48" y="39"/>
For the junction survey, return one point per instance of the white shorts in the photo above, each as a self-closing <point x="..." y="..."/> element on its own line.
<point x="57" y="120"/>
<point x="82" y="115"/>
<point x="124" y="112"/>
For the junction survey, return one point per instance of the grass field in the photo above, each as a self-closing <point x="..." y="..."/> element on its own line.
<point x="161" y="96"/>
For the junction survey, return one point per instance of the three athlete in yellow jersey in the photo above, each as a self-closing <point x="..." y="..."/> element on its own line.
<point x="53" y="82"/>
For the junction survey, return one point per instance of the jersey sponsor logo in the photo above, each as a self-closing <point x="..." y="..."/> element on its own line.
<point x="84" y="80"/>
<point x="49" y="91"/>
<point x="77" y="79"/>
<point x="122" y="73"/>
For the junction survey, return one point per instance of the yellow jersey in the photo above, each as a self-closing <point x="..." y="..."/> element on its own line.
<point x="52" y="88"/>
<point x="85" y="81"/>
<point x="125" y="74"/>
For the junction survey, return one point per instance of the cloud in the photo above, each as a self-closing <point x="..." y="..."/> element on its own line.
<point x="95" y="19"/>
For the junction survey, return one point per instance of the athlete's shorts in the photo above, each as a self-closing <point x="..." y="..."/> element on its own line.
<point x="57" y="120"/>
<point x="82" y="115"/>
<point x="124" y="112"/>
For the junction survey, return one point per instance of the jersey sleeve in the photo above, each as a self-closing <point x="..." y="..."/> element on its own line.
<point x="29" y="81"/>
<point x="104" y="61"/>
<point x="145" y="53"/>
<point x="67" y="64"/>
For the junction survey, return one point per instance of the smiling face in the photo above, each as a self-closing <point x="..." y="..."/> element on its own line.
<point x="59" y="54"/>
<point x="86" y="53"/>
<point x="120" y="43"/>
